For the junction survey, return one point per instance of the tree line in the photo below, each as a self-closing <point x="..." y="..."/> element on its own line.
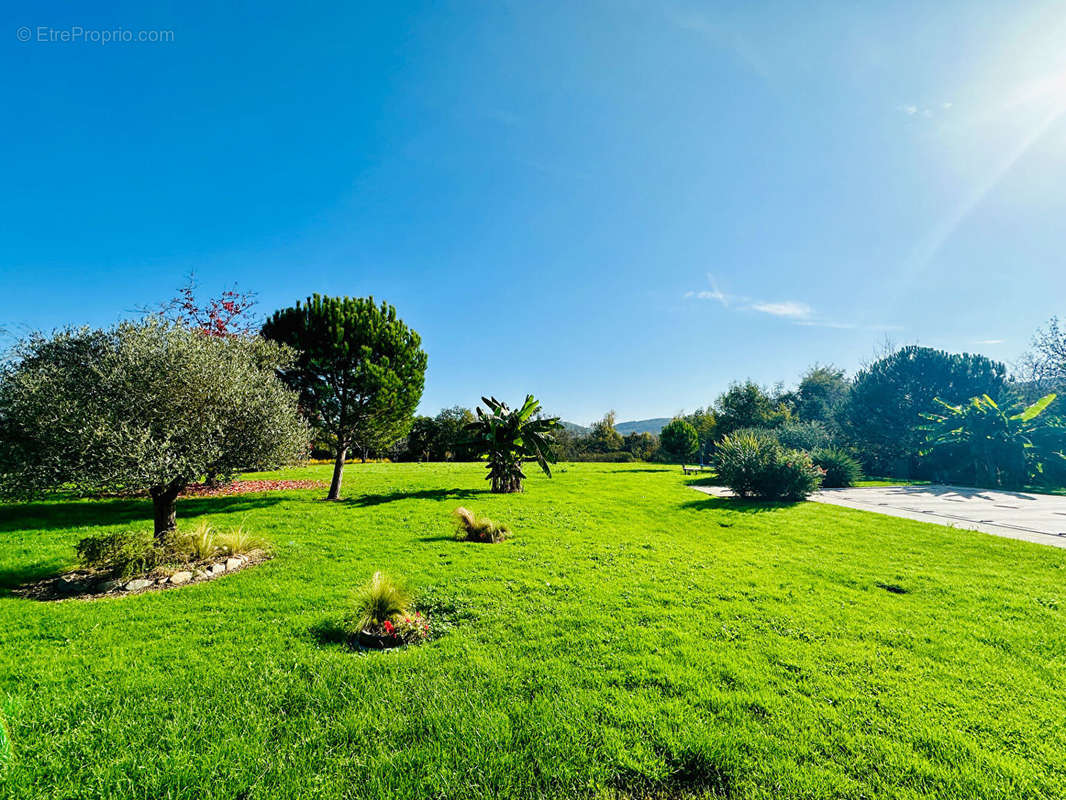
<point x="912" y="412"/>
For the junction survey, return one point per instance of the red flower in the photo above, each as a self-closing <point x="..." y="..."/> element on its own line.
<point x="388" y="626"/>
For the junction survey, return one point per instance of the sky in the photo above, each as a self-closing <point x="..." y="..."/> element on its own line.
<point x="610" y="204"/>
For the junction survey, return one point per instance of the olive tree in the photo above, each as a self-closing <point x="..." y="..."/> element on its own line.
<point x="144" y="406"/>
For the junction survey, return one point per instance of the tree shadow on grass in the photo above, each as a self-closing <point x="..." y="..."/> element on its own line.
<point x="712" y="480"/>
<point x="13" y="577"/>
<point x="53" y="515"/>
<point x="367" y="500"/>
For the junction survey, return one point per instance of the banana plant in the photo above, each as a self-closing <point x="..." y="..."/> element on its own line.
<point x="511" y="437"/>
<point x="1005" y="447"/>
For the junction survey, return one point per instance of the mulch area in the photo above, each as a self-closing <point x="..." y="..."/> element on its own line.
<point x="246" y="487"/>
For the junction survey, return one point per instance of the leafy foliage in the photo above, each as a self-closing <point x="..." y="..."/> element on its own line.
<point x="439" y="438"/>
<point x="807" y="436"/>
<point x="990" y="446"/>
<point x="841" y="470"/>
<point x="641" y="446"/>
<point x="754" y="464"/>
<point x="822" y="394"/>
<point x="509" y="438"/>
<point x="883" y="417"/>
<point x="359" y="370"/>
<point x="747" y="405"/>
<point x="603" y="438"/>
<point x="122" y="553"/>
<point x="142" y="406"/>
<point x="679" y="440"/>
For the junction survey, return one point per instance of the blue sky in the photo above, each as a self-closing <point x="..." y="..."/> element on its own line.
<point x="610" y="204"/>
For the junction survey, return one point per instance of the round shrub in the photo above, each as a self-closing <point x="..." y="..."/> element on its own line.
<point x="754" y="464"/>
<point x="679" y="440"/>
<point x="840" y="469"/>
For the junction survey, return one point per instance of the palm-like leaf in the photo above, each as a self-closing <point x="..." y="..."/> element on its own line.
<point x="509" y="437"/>
<point x="1003" y="448"/>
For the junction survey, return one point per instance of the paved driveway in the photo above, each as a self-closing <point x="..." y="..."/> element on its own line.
<point x="1039" y="518"/>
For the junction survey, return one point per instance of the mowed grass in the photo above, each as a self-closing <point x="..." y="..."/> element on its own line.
<point x="635" y="638"/>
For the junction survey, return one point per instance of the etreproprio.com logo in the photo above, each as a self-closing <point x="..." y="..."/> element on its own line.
<point x="77" y="34"/>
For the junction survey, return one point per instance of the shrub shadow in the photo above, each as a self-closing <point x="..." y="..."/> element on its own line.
<point x="330" y="633"/>
<point x="711" y="503"/>
<point x="368" y="500"/>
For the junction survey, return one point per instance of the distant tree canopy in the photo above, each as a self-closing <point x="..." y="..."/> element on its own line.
<point x="142" y="406"/>
<point x="359" y="370"/>
<point x="1044" y="367"/>
<point x="821" y="395"/>
<point x="883" y="413"/>
<point x="705" y="423"/>
<point x="642" y="446"/>
<point x="747" y="405"/>
<point x="679" y="440"/>
<point x="440" y="438"/>
<point x="603" y="438"/>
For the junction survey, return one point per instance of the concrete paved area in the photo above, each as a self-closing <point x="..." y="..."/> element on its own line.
<point x="1039" y="518"/>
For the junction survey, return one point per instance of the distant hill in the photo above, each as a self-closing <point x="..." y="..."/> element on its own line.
<point x="642" y="426"/>
<point x="635" y="426"/>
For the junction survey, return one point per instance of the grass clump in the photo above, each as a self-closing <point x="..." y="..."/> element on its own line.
<point x="379" y="600"/>
<point x="200" y="542"/>
<point x="384" y="610"/>
<point x="471" y="527"/>
<point x="237" y="541"/>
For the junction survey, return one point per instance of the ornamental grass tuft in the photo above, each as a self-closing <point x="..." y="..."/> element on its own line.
<point x="473" y="527"/>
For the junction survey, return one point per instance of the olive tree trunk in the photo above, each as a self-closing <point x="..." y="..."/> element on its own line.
<point x="164" y="501"/>
<point x="338" y="474"/>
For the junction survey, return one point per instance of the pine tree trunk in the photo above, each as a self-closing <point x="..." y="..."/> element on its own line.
<point x="164" y="500"/>
<point x="338" y="474"/>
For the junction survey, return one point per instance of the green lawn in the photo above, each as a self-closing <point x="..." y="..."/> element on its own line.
<point x="635" y="638"/>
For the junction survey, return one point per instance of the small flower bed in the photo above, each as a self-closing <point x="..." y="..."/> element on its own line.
<point x="406" y="629"/>
<point x="384" y="616"/>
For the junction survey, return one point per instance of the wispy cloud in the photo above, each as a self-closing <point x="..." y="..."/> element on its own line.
<point x="914" y="110"/>
<point x="795" y="311"/>
<point x="989" y="341"/>
<point x="714" y="293"/>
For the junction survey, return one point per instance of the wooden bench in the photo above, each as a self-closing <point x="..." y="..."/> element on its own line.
<point x="691" y="470"/>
